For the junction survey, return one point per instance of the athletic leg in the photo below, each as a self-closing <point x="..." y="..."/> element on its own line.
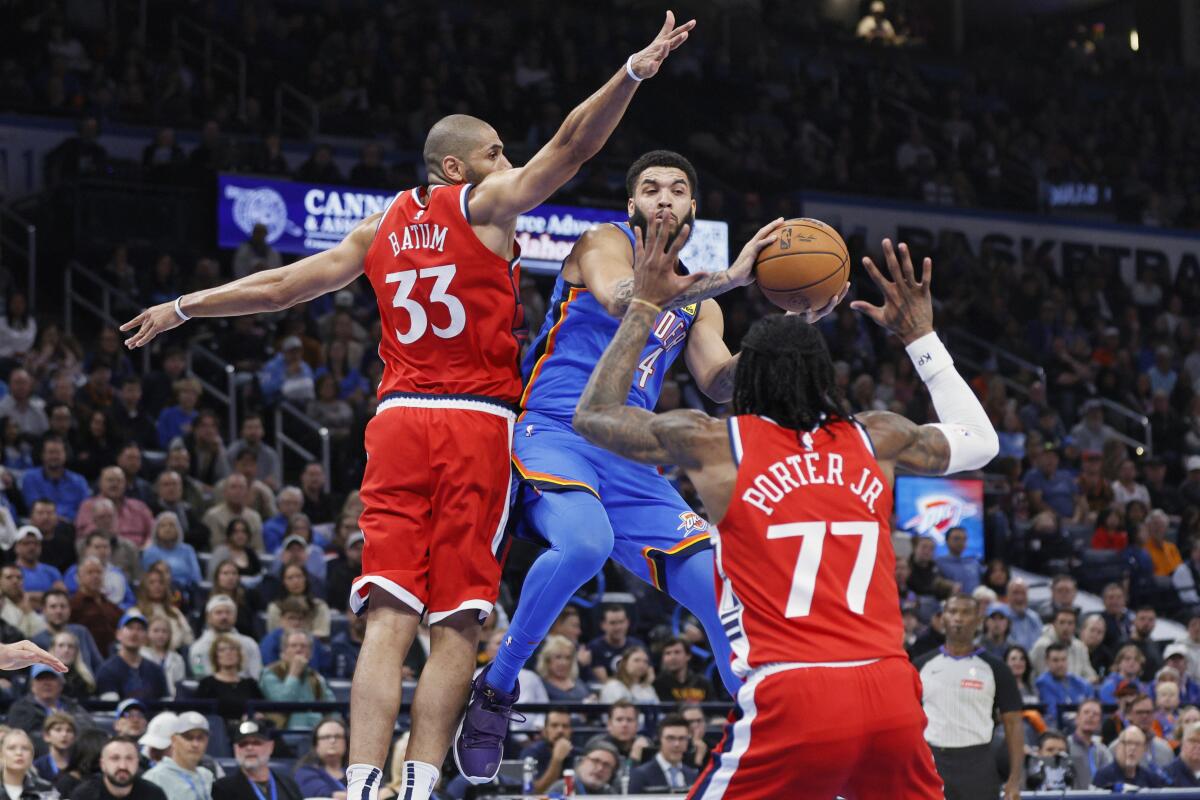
<point x="575" y="525"/>
<point x="375" y="691"/>
<point x="691" y="583"/>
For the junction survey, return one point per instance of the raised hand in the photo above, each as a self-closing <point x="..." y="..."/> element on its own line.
<point x="645" y="63"/>
<point x="741" y="271"/>
<point x="150" y="323"/>
<point x="26" y="653"/>
<point x="907" y="309"/>
<point x="654" y="277"/>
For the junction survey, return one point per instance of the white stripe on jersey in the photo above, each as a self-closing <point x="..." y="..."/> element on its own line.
<point x="730" y="611"/>
<point x="740" y="735"/>
<point x="462" y="202"/>
<point x="735" y="436"/>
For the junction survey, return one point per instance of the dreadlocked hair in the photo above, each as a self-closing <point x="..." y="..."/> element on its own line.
<point x="785" y="372"/>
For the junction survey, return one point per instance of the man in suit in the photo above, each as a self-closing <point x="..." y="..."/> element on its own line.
<point x="666" y="770"/>
<point x="252" y="747"/>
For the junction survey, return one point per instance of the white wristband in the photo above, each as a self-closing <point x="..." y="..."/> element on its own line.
<point x="629" y="70"/>
<point x="179" y="309"/>
<point x="929" y="356"/>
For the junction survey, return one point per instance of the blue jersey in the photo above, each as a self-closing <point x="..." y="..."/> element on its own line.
<point x="574" y="336"/>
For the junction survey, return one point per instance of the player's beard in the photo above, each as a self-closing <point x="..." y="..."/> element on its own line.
<point x="638" y="220"/>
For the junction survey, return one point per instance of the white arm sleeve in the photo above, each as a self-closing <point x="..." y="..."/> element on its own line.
<point x="973" y="440"/>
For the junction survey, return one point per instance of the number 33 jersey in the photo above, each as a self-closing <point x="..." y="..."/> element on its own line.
<point x="805" y="567"/>
<point x="450" y="307"/>
<point x="574" y="336"/>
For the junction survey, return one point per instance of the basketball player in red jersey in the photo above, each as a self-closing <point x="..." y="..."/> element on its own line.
<point x="444" y="264"/>
<point x="801" y="493"/>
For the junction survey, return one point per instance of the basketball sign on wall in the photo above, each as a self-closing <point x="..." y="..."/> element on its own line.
<point x="932" y="506"/>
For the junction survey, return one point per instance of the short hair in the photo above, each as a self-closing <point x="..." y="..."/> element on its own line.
<point x="1141" y="697"/>
<point x="94" y="535"/>
<point x="294" y="605"/>
<point x="621" y="704"/>
<point x="1051" y="733"/>
<point x="131" y="380"/>
<point x="1056" y="647"/>
<point x="55" y="593"/>
<point x="120" y="739"/>
<point x="671" y="721"/>
<point x="610" y="607"/>
<point x="963" y="596"/>
<point x="1109" y="586"/>
<point x="1073" y="612"/>
<point x="661" y="158"/>
<point x="1145" y="607"/>
<point x="958" y="528"/>
<point x="453" y="135"/>
<point x="1092" y="701"/>
<point x="1062" y="577"/>
<point x="675" y="640"/>
<point x="60" y="718"/>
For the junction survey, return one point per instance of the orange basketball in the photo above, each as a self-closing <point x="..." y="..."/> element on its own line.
<point x="805" y="267"/>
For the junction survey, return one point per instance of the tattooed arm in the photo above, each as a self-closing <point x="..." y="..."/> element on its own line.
<point x="707" y="356"/>
<point x="602" y="260"/>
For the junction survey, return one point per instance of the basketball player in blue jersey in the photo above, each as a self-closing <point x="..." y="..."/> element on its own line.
<point x="581" y="501"/>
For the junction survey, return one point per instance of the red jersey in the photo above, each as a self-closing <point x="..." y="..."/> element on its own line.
<point x="804" y="554"/>
<point x="450" y="307"/>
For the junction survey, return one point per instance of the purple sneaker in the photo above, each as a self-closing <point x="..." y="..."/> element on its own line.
<point x="479" y="743"/>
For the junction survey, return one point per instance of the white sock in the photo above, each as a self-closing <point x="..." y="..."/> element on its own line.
<point x="362" y="782"/>
<point x="421" y="777"/>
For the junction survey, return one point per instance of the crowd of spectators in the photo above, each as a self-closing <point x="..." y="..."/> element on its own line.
<point x="829" y="110"/>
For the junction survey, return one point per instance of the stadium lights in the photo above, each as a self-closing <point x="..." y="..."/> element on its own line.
<point x="1134" y="44"/>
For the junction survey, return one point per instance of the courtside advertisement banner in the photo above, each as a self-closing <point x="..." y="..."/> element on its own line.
<point x="306" y="218"/>
<point x="932" y="506"/>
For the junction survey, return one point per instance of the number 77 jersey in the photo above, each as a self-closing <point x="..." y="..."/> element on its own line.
<point x="450" y="307"/>
<point x="805" y="565"/>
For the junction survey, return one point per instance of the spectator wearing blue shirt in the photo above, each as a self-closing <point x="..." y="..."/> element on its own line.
<point x="176" y="421"/>
<point x="1051" y="487"/>
<point x="128" y="674"/>
<point x="54" y="482"/>
<point x="165" y="545"/>
<point x="1026" y="625"/>
<point x="1126" y="668"/>
<point x="290" y="502"/>
<point x="116" y="585"/>
<point x="964" y="570"/>
<point x="1176" y="657"/>
<point x="322" y="773"/>
<point x="345" y="647"/>
<point x="1058" y="687"/>
<point x="287" y="376"/>
<point x="39" y="577"/>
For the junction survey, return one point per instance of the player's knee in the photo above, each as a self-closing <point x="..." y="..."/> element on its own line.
<point x="590" y="550"/>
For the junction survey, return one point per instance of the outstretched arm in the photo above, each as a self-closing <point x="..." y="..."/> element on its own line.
<point x="965" y="438"/>
<point x="265" y="291"/>
<point x="503" y="196"/>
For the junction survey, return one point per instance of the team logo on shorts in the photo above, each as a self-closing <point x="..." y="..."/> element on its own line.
<point x="691" y="522"/>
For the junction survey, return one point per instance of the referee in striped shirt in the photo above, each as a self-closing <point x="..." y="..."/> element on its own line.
<point x="963" y="689"/>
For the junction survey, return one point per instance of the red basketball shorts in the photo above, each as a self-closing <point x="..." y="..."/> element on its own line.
<point x="820" y="732"/>
<point x="436" y="498"/>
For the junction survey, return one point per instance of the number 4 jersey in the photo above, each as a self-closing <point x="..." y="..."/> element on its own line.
<point x="450" y="307"/>
<point x="805" y="565"/>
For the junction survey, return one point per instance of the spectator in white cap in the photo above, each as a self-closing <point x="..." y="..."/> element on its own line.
<point x="39" y="576"/>
<point x="1178" y="656"/>
<point x="287" y="376"/>
<point x="220" y="616"/>
<point x="156" y="740"/>
<point x="179" y="774"/>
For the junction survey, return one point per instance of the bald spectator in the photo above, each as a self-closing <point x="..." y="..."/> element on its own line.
<point x="21" y="406"/>
<point x="235" y="496"/>
<point x="268" y="468"/>
<point x="1128" y="751"/>
<point x="1157" y="753"/>
<point x="91" y="609"/>
<point x="1026" y="625"/>
<point x="135" y="523"/>
<point x="54" y="482"/>
<point x="1164" y="554"/>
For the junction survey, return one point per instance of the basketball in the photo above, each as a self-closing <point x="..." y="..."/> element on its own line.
<point x="805" y="267"/>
